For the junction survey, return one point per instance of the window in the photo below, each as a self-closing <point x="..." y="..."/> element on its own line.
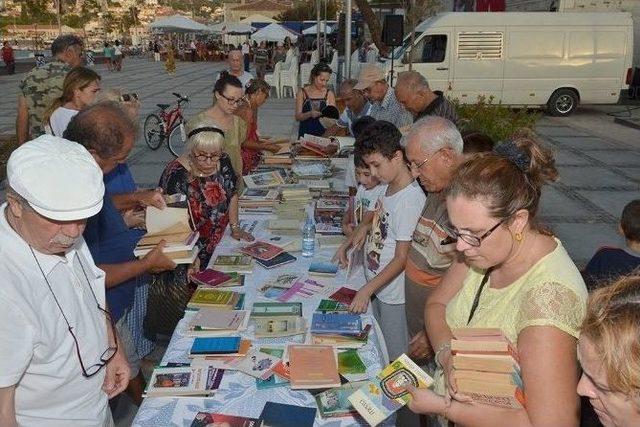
<point x="430" y="49"/>
<point x="480" y="45"/>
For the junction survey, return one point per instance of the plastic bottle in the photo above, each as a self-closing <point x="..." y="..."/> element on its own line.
<point x="308" y="238"/>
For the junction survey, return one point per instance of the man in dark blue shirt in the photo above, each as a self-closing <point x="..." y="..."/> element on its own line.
<point x="108" y="134"/>
<point x="609" y="263"/>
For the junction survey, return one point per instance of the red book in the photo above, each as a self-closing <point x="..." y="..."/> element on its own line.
<point x="210" y="277"/>
<point x="344" y="295"/>
<point x="262" y="250"/>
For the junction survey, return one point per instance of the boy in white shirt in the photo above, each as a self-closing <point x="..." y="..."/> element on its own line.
<point x="367" y="195"/>
<point x="389" y="234"/>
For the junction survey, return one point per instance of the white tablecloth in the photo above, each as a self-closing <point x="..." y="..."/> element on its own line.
<point x="238" y="394"/>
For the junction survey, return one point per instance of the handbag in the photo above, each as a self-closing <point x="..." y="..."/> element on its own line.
<point x="169" y="293"/>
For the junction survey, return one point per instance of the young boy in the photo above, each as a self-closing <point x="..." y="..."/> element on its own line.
<point x="395" y="217"/>
<point x="608" y="263"/>
<point x="368" y="193"/>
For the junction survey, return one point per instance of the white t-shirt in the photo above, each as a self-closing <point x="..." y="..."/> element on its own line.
<point x="59" y="121"/>
<point x="244" y="78"/>
<point x="245" y="48"/>
<point x="37" y="353"/>
<point x="395" y="219"/>
<point x="350" y="173"/>
<point x="365" y="200"/>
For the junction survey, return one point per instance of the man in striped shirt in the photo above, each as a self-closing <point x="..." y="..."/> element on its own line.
<point x="413" y="93"/>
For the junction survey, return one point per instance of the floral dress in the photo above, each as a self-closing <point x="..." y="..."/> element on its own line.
<point x="251" y="157"/>
<point x="208" y="200"/>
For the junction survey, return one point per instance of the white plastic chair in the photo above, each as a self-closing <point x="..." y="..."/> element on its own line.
<point x="334" y="68"/>
<point x="315" y="57"/>
<point x="289" y="78"/>
<point x="305" y="73"/>
<point x="273" y="79"/>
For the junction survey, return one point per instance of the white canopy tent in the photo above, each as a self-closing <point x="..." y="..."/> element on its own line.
<point x="273" y="33"/>
<point x="232" y="28"/>
<point x="256" y="17"/>
<point x="314" y="29"/>
<point x="179" y="24"/>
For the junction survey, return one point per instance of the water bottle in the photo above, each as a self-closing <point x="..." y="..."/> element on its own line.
<point x="308" y="238"/>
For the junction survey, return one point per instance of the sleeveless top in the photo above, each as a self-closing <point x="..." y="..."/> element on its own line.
<point x="312" y="126"/>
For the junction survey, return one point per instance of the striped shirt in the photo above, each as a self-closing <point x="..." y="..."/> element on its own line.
<point x="391" y="110"/>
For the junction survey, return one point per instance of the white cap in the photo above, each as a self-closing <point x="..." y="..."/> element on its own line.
<point x="60" y="179"/>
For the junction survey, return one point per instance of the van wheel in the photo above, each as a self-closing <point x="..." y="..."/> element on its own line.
<point x="562" y="102"/>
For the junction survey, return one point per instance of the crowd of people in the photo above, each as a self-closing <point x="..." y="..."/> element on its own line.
<point x="448" y="222"/>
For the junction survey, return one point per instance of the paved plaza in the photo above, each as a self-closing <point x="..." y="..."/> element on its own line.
<point x="598" y="160"/>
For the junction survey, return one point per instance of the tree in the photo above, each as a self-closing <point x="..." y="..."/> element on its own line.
<point x="415" y="12"/>
<point x="306" y="11"/>
<point x="375" y="28"/>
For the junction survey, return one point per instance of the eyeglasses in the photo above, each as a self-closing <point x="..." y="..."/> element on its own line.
<point x="417" y="167"/>
<point x="232" y="101"/>
<point x="212" y="157"/>
<point x="128" y="97"/>
<point x="106" y="355"/>
<point x="470" y="239"/>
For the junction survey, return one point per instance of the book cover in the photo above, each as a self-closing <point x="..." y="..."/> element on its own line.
<point x="233" y="263"/>
<point x="184" y="381"/>
<point x="284" y="415"/>
<point x="336" y="323"/>
<point x="263" y="180"/>
<point x="349" y="362"/>
<point x="343" y="341"/>
<point x="256" y="364"/>
<point x="386" y="393"/>
<point x="313" y="366"/>
<point x="279" y="326"/>
<point x="275" y="309"/>
<point x="331" y="306"/>
<point x="277" y="261"/>
<point x="334" y="402"/>
<point x="274" y="380"/>
<point x="344" y="295"/>
<point x="283" y="281"/>
<point x="207" y="419"/>
<point x="503" y="395"/>
<point x="213" y="297"/>
<point x="212" y="278"/>
<point x="259" y="194"/>
<point x="262" y="250"/>
<point x="215" y="345"/>
<point x="323" y="268"/>
<point x="304" y="288"/>
<point x="206" y="318"/>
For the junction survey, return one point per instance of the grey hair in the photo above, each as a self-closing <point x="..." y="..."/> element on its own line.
<point x="350" y="83"/>
<point x="205" y="140"/>
<point x="413" y="80"/>
<point x="435" y="133"/>
<point x="61" y="43"/>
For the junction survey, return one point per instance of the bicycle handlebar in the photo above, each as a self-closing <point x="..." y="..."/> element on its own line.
<point x="180" y="97"/>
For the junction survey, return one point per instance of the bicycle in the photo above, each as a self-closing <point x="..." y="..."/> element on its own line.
<point x="167" y="125"/>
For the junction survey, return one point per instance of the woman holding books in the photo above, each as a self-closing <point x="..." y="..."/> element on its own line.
<point x="311" y="100"/>
<point x="255" y="95"/>
<point x="515" y="276"/>
<point x="609" y="352"/>
<point x="205" y="175"/>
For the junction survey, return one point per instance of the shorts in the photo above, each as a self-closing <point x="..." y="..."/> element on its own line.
<point x="125" y="342"/>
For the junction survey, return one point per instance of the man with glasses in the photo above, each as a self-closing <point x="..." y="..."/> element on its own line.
<point x="371" y="81"/>
<point x="42" y="85"/>
<point x="434" y="149"/>
<point x="59" y="359"/>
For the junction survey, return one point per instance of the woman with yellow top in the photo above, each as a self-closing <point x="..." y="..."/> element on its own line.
<point x="609" y="353"/>
<point x="228" y="96"/>
<point x="512" y="275"/>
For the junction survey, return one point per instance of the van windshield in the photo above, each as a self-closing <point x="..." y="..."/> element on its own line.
<point x="399" y="51"/>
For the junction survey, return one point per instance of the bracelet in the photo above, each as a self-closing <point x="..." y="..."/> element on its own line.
<point x="235" y="226"/>
<point x="447" y="406"/>
<point x="443" y="347"/>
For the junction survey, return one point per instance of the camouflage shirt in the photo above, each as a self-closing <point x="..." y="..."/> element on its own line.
<point x="40" y="87"/>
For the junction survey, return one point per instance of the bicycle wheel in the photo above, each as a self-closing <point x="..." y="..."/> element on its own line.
<point x="177" y="139"/>
<point x="153" y="131"/>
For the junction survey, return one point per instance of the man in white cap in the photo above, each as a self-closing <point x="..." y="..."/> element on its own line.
<point x="372" y="82"/>
<point x="59" y="360"/>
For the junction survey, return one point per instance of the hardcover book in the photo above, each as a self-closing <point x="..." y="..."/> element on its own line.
<point x="215" y="345"/>
<point x="385" y="394"/>
<point x="241" y="264"/>
<point x="262" y="250"/>
<point x="217" y="279"/>
<point x="277" y="261"/>
<point x="336" y="323"/>
<point x="344" y="295"/>
<point x="284" y="415"/>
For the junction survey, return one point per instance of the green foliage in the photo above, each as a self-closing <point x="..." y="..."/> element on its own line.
<point x="496" y="120"/>
<point x="73" y="20"/>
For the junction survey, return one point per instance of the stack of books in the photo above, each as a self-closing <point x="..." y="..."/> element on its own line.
<point x="216" y="298"/>
<point x="264" y="179"/>
<point x="211" y="322"/>
<point x="312" y="146"/>
<point x="204" y="347"/>
<point x="267" y="254"/>
<point x="287" y="210"/>
<point x="184" y="381"/>
<point x="313" y="366"/>
<point x="277" y="319"/>
<point x="258" y="200"/>
<point x="328" y="221"/>
<point x="172" y="226"/>
<point x="339" y="329"/>
<point x="216" y="279"/>
<point x="312" y="170"/>
<point x="284" y="226"/>
<point x="380" y="397"/>
<point x="486" y="367"/>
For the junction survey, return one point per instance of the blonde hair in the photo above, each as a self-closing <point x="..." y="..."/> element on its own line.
<point x="612" y="324"/>
<point x="207" y="140"/>
<point x="78" y="78"/>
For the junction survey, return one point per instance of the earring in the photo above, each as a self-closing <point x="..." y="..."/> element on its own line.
<point x="518" y="237"/>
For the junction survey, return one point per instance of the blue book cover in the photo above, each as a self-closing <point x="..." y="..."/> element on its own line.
<point x="336" y="323"/>
<point x="215" y="345"/>
<point x="323" y="268"/>
<point x="283" y="415"/>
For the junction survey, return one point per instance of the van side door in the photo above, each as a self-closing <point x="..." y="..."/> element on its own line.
<point x="478" y="64"/>
<point x="431" y="56"/>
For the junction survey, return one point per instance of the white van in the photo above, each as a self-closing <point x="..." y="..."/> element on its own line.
<point x="531" y="59"/>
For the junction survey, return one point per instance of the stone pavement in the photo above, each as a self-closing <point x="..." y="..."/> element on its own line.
<point x="598" y="160"/>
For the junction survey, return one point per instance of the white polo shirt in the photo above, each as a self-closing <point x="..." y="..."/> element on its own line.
<point x="37" y="352"/>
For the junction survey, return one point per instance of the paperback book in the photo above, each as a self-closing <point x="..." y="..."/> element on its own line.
<point x="241" y="264"/>
<point x="262" y="250"/>
<point x="207" y="419"/>
<point x="279" y="326"/>
<point x="334" y="403"/>
<point x="313" y="366"/>
<point x="284" y="415"/>
<point x="217" y="279"/>
<point x="276" y="309"/>
<point x="323" y="268"/>
<point x="277" y="261"/>
<point x="184" y="381"/>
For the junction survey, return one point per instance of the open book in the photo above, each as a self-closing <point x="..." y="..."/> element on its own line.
<point x="172" y="226"/>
